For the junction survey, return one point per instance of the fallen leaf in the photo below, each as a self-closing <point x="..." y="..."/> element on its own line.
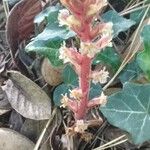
<point x="4" y="103"/>
<point x="20" y="22"/>
<point x="26" y="97"/>
<point x="13" y="140"/>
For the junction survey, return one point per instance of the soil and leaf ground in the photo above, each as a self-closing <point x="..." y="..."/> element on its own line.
<point x="33" y="78"/>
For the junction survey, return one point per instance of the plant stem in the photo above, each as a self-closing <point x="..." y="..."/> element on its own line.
<point x="84" y="84"/>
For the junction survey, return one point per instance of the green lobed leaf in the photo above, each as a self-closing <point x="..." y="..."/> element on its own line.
<point x="43" y="48"/>
<point x="49" y="41"/>
<point x="110" y="57"/>
<point x="130" y="72"/>
<point x="120" y="24"/>
<point x="130" y="111"/>
<point x="143" y="58"/>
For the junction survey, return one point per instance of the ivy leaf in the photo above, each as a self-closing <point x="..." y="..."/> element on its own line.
<point x="120" y="24"/>
<point x="130" y="72"/>
<point x="49" y="41"/>
<point x="129" y="110"/>
<point x="49" y="14"/>
<point x="49" y="50"/>
<point x="69" y="75"/>
<point x="95" y="90"/>
<point x="110" y="57"/>
<point x="143" y="58"/>
<point x="137" y="15"/>
<point x="59" y="91"/>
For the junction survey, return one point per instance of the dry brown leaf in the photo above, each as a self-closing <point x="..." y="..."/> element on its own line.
<point x="20" y="22"/>
<point x="52" y="75"/>
<point x="12" y="140"/>
<point x="26" y="97"/>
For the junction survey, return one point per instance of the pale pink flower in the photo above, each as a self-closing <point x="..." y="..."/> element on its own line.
<point x="88" y="49"/>
<point x="95" y="7"/>
<point x="100" y="76"/>
<point x="64" y="100"/>
<point x="76" y="94"/>
<point x="63" y="53"/>
<point x="62" y="16"/>
<point x="103" y="99"/>
<point x="65" y="18"/>
<point x="81" y="126"/>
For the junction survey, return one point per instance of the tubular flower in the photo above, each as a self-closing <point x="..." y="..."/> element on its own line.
<point x="88" y="49"/>
<point x="107" y="30"/>
<point x="65" y="18"/>
<point x="62" y="16"/>
<point x="100" y="76"/>
<point x="103" y="99"/>
<point x="63" y="53"/>
<point x="106" y="36"/>
<point x="64" y="101"/>
<point x="76" y="94"/>
<point x="96" y="7"/>
<point x="81" y="126"/>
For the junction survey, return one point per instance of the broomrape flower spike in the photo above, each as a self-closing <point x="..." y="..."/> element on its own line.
<point x="79" y="17"/>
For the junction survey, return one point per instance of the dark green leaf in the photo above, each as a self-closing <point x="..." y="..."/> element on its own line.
<point x="109" y="57"/>
<point x="130" y="72"/>
<point x="69" y="75"/>
<point x="43" y="48"/>
<point x="58" y="92"/>
<point x="143" y="58"/>
<point x="120" y="24"/>
<point x="95" y="91"/>
<point x="130" y="111"/>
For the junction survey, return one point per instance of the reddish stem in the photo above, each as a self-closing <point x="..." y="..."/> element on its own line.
<point x="85" y="87"/>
